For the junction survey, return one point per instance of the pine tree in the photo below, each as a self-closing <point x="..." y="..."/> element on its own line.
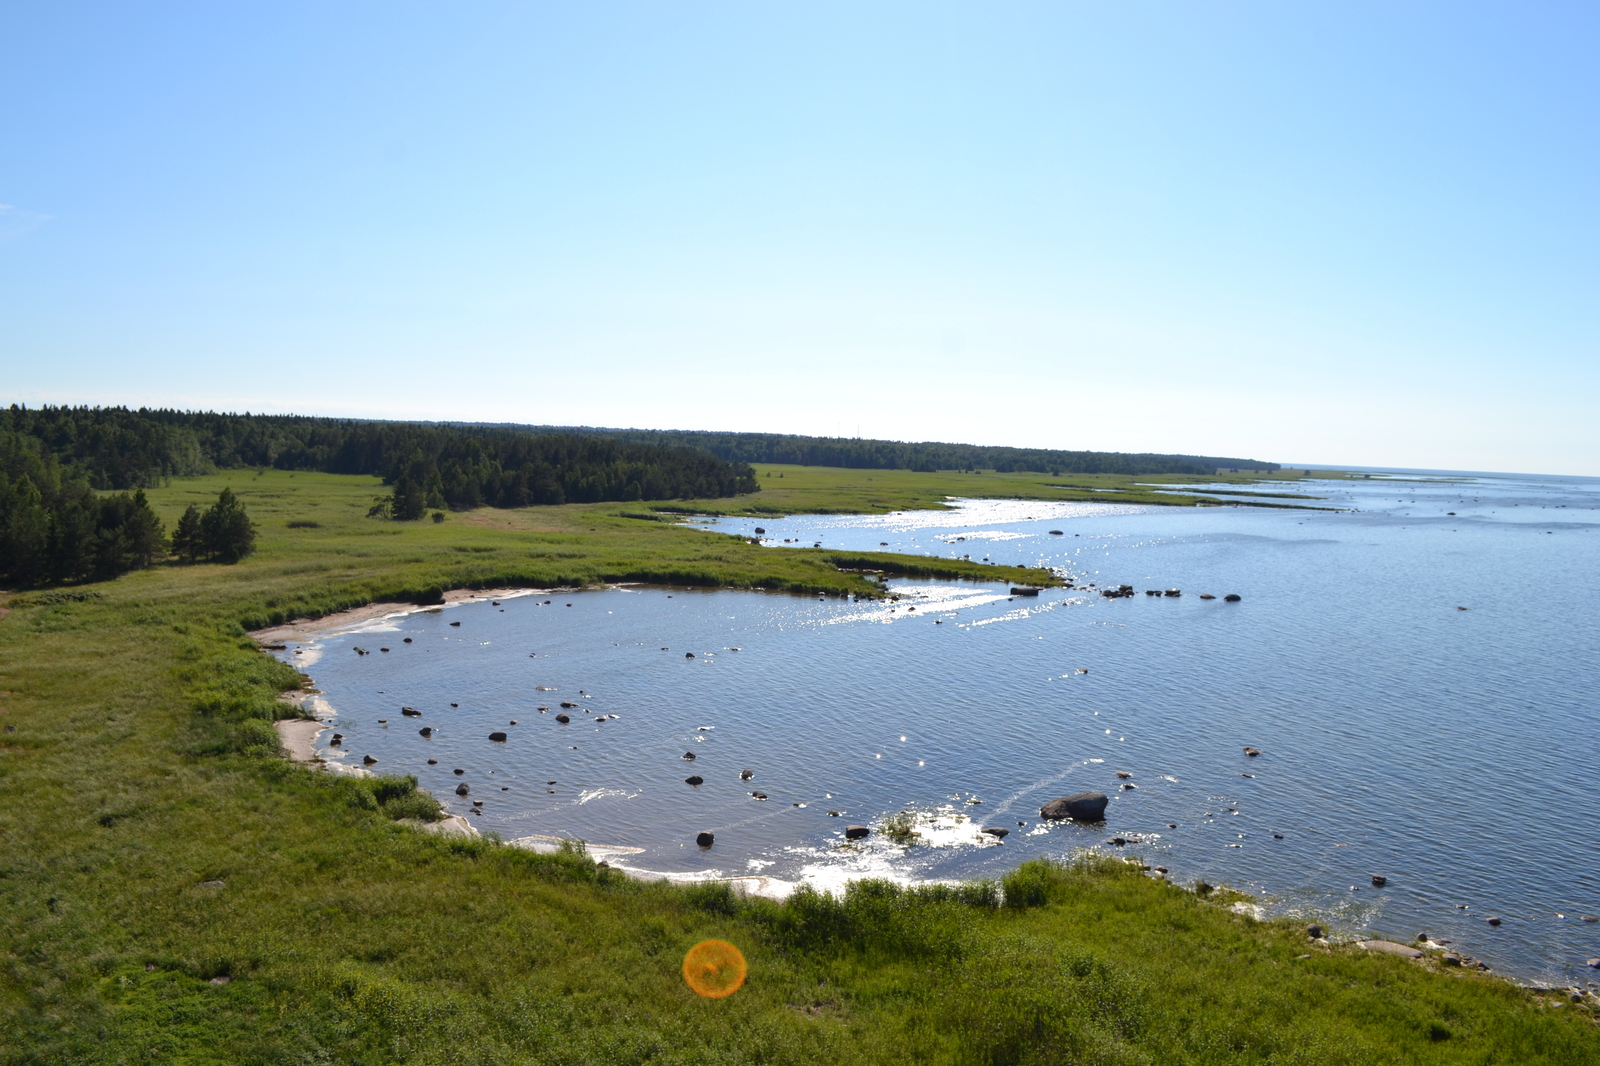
<point x="228" y="533"/>
<point x="187" y="539"/>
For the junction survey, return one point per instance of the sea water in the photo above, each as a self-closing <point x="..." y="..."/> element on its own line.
<point x="1421" y="685"/>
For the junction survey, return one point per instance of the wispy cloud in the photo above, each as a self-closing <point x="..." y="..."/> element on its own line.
<point x="14" y="222"/>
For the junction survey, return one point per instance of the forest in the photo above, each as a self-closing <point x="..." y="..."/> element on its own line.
<point x="66" y="514"/>
<point x="459" y="467"/>
<point x="924" y="456"/>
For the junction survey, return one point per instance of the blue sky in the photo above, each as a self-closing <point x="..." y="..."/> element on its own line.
<point x="1339" y="233"/>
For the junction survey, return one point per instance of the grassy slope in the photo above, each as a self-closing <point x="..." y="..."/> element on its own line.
<point x="136" y="772"/>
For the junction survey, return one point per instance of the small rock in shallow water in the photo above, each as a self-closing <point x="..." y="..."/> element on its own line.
<point x="463" y="788"/>
<point x="998" y="831"/>
<point x="563" y="719"/>
<point x="459" y="771"/>
<point x="433" y="762"/>
<point x="688" y="755"/>
<point x="745" y="775"/>
<point x="1492" y="920"/>
<point x="1252" y="752"/>
<point x="368" y="760"/>
<point x="1378" y="880"/>
<point x="695" y="780"/>
<point x="758" y="795"/>
<point x="855" y="832"/>
<point x="1314" y="931"/>
<point x="833" y="814"/>
<point x="705" y="840"/>
<point x="497" y="736"/>
<point x="1123" y="774"/>
<point x="1232" y="597"/>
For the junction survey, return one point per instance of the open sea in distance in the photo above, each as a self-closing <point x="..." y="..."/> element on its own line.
<point x="1454" y="752"/>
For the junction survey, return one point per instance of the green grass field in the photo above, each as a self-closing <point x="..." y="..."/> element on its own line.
<point x="138" y="763"/>
<point x="831" y="490"/>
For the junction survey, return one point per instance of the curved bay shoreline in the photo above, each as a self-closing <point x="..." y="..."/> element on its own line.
<point x="299" y="737"/>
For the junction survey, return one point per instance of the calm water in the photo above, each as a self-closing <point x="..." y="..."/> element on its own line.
<point x="1452" y="751"/>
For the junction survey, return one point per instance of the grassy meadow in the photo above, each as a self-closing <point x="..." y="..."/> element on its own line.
<point x="832" y="490"/>
<point x="174" y="891"/>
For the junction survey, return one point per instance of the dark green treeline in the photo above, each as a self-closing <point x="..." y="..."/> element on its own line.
<point x="55" y="528"/>
<point x="927" y="456"/>
<point x="448" y="466"/>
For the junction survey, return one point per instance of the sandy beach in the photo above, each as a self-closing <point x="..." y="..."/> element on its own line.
<point x="304" y="629"/>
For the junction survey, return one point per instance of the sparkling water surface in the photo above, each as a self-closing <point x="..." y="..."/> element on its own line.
<point x="1452" y="751"/>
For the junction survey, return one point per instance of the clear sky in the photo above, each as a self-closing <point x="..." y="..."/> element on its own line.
<point x="1308" y="232"/>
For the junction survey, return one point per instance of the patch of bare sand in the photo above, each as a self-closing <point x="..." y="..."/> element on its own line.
<point x="304" y="629"/>
<point x="299" y="738"/>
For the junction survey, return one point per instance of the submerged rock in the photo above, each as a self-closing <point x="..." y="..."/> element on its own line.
<point x="1080" y="807"/>
<point x="997" y="831"/>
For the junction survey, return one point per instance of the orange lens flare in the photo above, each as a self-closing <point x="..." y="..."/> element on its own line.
<point x="714" y="969"/>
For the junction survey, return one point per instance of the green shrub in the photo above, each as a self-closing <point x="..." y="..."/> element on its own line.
<point x="1029" y="884"/>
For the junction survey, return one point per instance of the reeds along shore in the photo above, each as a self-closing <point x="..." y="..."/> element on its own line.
<point x="172" y="889"/>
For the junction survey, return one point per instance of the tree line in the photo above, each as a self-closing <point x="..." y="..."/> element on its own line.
<point x="453" y="466"/>
<point x="56" y="529"/>
<point x="925" y="456"/>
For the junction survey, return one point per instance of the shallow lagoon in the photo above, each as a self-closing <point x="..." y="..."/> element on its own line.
<point x="1452" y="751"/>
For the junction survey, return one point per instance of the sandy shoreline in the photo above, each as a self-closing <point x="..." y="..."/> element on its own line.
<point x="303" y="629"/>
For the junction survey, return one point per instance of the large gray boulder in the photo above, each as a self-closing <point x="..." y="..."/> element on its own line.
<point x="1080" y="807"/>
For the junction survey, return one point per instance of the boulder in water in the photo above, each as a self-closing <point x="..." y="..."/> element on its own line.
<point x="855" y="832"/>
<point x="1079" y="807"/>
<point x="705" y="840"/>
